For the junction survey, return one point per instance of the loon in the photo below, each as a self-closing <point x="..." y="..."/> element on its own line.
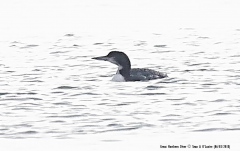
<point x="125" y="73"/>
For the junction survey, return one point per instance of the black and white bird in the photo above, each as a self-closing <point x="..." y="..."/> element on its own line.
<point x="125" y="73"/>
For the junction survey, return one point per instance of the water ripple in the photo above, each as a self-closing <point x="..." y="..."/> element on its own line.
<point x="54" y="89"/>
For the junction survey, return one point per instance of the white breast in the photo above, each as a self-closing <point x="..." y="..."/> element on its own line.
<point x="118" y="78"/>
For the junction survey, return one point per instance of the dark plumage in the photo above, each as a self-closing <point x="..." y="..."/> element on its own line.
<point x="139" y="74"/>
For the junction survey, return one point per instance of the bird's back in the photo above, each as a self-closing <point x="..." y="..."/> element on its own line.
<point x="142" y="74"/>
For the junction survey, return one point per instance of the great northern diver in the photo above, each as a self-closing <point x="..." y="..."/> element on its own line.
<point x="125" y="73"/>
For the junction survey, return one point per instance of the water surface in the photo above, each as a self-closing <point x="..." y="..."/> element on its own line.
<point x="51" y="88"/>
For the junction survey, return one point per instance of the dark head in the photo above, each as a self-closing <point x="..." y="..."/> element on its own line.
<point x="121" y="60"/>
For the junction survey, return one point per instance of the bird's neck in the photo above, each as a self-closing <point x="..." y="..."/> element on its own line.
<point x="124" y="71"/>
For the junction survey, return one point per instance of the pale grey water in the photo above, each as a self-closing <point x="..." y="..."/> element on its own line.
<point x="53" y="89"/>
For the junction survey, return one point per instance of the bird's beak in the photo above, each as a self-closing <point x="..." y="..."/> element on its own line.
<point x="104" y="58"/>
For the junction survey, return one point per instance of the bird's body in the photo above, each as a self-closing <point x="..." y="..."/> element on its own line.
<point x="141" y="74"/>
<point x="125" y="73"/>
